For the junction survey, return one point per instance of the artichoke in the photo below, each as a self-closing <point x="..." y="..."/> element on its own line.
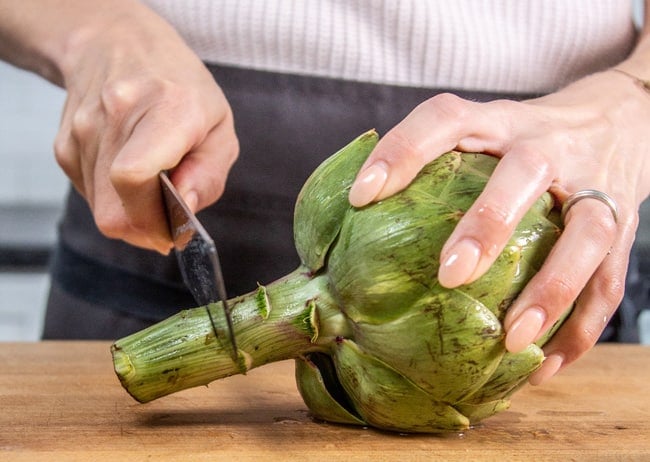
<point x="376" y="340"/>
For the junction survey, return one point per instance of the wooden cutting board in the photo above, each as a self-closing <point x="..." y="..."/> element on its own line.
<point x="61" y="401"/>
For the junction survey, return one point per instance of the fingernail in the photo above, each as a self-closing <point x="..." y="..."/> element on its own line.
<point x="548" y="369"/>
<point x="525" y="329"/>
<point x="514" y="311"/>
<point x="369" y="184"/>
<point x="459" y="264"/>
<point x="165" y="249"/>
<point x="161" y="246"/>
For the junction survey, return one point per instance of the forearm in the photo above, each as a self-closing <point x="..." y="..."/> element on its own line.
<point x="40" y="35"/>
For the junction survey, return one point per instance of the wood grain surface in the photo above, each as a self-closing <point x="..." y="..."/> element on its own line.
<point x="62" y="401"/>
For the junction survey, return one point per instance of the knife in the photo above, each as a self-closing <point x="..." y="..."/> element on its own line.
<point x="198" y="260"/>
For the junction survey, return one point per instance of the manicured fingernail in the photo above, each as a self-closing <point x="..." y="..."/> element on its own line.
<point x="369" y="184"/>
<point x="525" y="329"/>
<point x="459" y="263"/>
<point x="548" y="369"/>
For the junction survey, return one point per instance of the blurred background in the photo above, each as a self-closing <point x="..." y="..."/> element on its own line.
<point x="32" y="190"/>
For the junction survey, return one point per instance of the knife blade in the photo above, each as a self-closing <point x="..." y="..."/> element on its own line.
<point x="198" y="260"/>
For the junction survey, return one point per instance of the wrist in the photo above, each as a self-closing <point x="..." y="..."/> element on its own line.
<point x="641" y="83"/>
<point x="111" y="35"/>
<point x="637" y="64"/>
<point x="49" y="37"/>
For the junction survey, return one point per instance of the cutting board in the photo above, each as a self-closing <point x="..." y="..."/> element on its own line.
<point x="61" y="401"/>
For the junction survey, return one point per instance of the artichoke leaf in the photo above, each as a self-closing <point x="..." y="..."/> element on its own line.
<point x="398" y="239"/>
<point x="511" y="372"/>
<point x="493" y="289"/>
<point x="401" y="261"/>
<point x="323" y="200"/>
<point x="388" y="400"/>
<point x="478" y="412"/>
<point x="395" y="266"/>
<point x="321" y="391"/>
<point x="479" y="165"/>
<point x="537" y="232"/>
<point x="449" y="344"/>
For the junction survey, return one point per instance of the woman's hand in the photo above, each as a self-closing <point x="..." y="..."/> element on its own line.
<point x="139" y="101"/>
<point x="590" y="135"/>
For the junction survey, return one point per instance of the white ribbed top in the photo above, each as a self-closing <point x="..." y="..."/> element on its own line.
<point x="492" y="45"/>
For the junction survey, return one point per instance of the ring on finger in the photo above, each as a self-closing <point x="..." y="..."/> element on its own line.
<point x="591" y="194"/>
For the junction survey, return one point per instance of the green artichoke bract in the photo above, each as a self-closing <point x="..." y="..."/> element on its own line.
<point x="377" y="340"/>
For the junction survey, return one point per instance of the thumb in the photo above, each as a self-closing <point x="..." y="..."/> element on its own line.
<point x="201" y="175"/>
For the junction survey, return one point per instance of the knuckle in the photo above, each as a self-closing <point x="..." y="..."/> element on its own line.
<point x="449" y="105"/>
<point x="173" y="95"/>
<point x="63" y="152"/>
<point x="615" y="292"/>
<point x="601" y="225"/>
<point x="233" y="151"/>
<point x="83" y="123"/>
<point x="119" y="96"/>
<point x="496" y="218"/>
<point x="592" y="318"/>
<point x="193" y="125"/>
<point x="217" y="186"/>
<point x="170" y="90"/>
<point x="110" y="225"/>
<point x="584" y="339"/>
<point x="537" y="162"/>
<point x="611" y="289"/>
<point x="125" y="175"/>
<point x="398" y="147"/>
<point x="451" y="109"/>
<point x="560" y="290"/>
<point x="541" y="171"/>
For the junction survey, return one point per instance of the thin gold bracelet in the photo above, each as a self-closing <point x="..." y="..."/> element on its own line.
<point x="645" y="84"/>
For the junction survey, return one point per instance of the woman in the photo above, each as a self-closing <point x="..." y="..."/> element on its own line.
<point x="554" y="88"/>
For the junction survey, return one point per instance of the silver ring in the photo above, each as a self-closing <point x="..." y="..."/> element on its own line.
<point x="592" y="194"/>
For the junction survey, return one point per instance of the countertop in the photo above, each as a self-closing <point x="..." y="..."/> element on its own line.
<point x="62" y="401"/>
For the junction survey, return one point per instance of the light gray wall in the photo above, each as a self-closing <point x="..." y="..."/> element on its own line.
<point x="29" y="118"/>
<point x="30" y="179"/>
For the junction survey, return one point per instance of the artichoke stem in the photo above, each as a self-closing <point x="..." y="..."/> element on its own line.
<point x="275" y="322"/>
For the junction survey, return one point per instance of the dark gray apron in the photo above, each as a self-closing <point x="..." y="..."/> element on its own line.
<point x="287" y="125"/>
